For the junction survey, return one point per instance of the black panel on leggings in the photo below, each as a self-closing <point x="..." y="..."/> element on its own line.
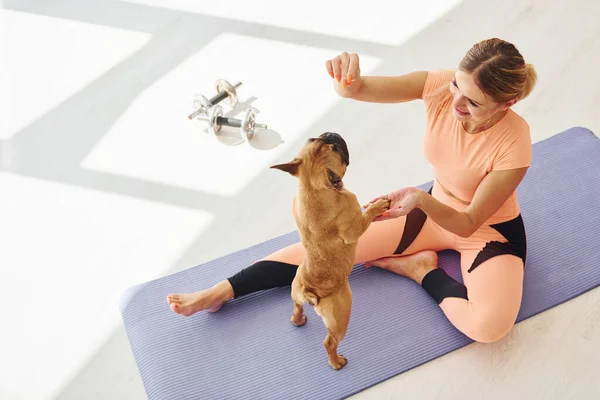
<point x="412" y="227"/>
<point x="440" y="285"/>
<point x="514" y="232"/>
<point x="262" y="275"/>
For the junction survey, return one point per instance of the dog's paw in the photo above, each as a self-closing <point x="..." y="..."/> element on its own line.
<point x="340" y="363"/>
<point x="299" y="322"/>
<point x="380" y="206"/>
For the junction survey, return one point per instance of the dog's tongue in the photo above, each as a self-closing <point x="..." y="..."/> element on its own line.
<point x="339" y="145"/>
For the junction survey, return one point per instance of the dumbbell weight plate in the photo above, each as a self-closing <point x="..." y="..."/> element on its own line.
<point x="247" y="128"/>
<point x="222" y="84"/>
<point x="215" y="112"/>
<point x="201" y="104"/>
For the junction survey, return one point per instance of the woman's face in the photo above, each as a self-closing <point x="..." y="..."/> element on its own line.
<point x="469" y="103"/>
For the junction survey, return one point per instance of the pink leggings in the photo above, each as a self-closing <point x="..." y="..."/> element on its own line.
<point x="492" y="266"/>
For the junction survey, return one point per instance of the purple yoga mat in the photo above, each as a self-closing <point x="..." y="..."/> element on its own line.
<point x="249" y="349"/>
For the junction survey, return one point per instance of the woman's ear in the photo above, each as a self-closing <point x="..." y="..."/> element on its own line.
<point x="509" y="104"/>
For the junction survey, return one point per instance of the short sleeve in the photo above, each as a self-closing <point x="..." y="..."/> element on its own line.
<point x="517" y="153"/>
<point x="436" y="89"/>
<point x="436" y="80"/>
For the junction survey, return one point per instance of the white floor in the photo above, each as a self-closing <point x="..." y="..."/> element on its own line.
<point x="105" y="183"/>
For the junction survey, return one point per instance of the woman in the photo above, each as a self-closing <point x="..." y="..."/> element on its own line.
<point x="480" y="151"/>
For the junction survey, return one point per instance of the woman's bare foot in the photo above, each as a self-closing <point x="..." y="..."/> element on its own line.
<point x="414" y="266"/>
<point x="210" y="300"/>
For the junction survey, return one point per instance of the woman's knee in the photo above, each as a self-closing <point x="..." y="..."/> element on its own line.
<point x="492" y="327"/>
<point x="486" y="335"/>
<point x="292" y="254"/>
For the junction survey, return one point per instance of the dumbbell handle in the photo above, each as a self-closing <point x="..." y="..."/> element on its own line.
<point x="222" y="94"/>
<point x="217" y="98"/>
<point x="236" y="123"/>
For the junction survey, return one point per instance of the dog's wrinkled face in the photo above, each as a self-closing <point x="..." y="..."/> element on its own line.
<point x="322" y="160"/>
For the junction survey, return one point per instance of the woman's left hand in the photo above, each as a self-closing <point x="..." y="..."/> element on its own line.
<point x="401" y="201"/>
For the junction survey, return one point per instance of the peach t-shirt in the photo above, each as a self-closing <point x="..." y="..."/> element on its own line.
<point x="461" y="160"/>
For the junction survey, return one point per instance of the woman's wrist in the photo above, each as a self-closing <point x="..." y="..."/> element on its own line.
<point x="422" y="198"/>
<point x="350" y="91"/>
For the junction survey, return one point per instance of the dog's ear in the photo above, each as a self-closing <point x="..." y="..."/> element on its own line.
<point x="291" y="167"/>
<point x="334" y="181"/>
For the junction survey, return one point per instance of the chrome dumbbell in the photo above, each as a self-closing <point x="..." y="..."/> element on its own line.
<point x="225" y="90"/>
<point x="247" y="125"/>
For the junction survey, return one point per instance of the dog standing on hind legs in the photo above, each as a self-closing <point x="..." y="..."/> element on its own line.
<point x="330" y="221"/>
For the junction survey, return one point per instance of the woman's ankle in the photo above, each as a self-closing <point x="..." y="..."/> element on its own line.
<point x="223" y="290"/>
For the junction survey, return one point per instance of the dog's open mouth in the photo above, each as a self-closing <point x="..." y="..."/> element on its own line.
<point x="339" y="145"/>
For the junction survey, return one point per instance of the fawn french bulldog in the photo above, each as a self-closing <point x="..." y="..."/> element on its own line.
<point x="330" y="221"/>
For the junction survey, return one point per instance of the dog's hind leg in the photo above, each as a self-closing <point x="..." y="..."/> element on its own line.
<point x="335" y="311"/>
<point x="298" y="317"/>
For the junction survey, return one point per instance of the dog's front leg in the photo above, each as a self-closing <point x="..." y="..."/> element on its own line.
<point x="360" y="225"/>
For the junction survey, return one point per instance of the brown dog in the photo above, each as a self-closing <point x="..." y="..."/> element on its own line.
<point x="330" y="221"/>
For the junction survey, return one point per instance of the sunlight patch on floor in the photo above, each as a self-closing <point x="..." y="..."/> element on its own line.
<point x="153" y="140"/>
<point x="68" y="253"/>
<point x="46" y="60"/>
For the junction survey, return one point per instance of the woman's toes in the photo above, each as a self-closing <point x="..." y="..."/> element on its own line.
<point x="190" y="303"/>
<point x="375" y="263"/>
<point x="381" y="263"/>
